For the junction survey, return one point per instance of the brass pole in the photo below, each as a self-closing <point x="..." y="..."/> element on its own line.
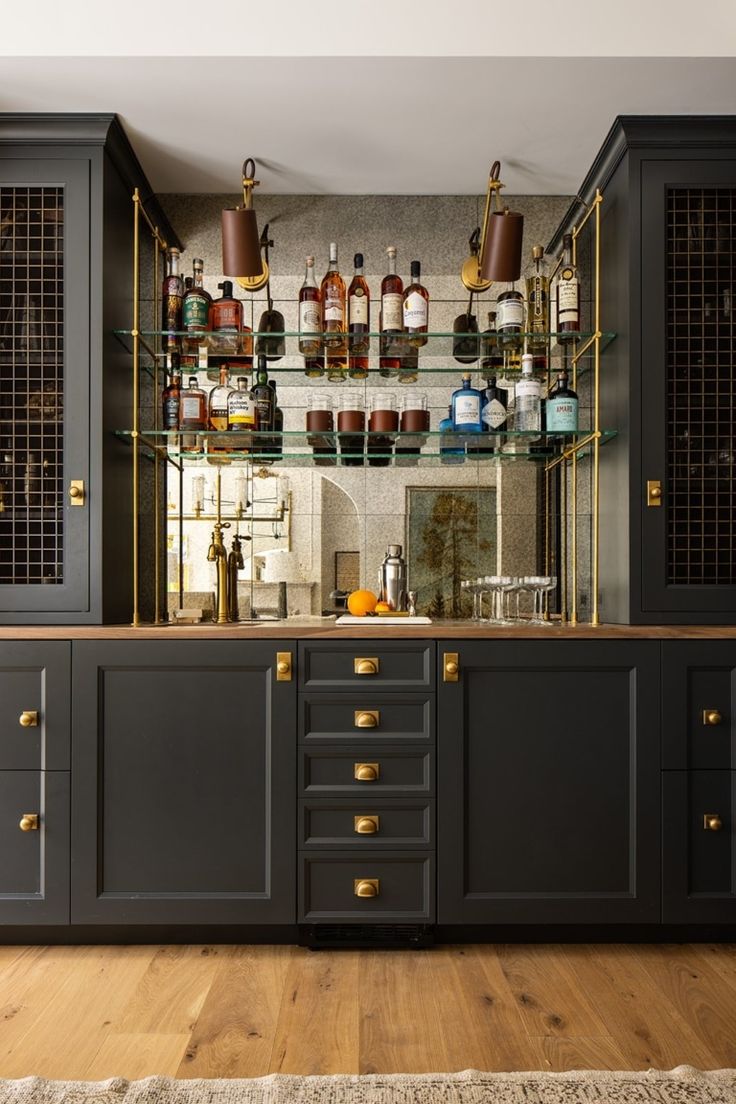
<point x="136" y="403"/>
<point x="595" y="620"/>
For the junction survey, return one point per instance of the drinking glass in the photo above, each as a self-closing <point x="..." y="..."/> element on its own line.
<point x="539" y="585"/>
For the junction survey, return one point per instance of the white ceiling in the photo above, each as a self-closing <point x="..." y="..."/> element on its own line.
<point x="369" y="125"/>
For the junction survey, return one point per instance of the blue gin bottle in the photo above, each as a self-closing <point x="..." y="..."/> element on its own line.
<point x="466" y="407"/>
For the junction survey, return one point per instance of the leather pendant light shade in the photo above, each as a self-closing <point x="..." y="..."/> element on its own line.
<point x="241" y="249"/>
<point x="501" y="258"/>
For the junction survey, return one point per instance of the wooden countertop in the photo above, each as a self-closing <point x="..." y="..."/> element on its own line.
<point x="313" y="628"/>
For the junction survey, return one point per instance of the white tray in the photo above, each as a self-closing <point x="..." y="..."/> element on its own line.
<point x="374" y="622"/>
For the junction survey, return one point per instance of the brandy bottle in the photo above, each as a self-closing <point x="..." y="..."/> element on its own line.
<point x="359" y="310"/>
<point x="391" y="323"/>
<point x="416" y="308"/>
<point x="310" y="314"/>
<point x="334" y="321"/>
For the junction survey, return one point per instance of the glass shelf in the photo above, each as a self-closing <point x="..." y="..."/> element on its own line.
<point x="297" y="447"/>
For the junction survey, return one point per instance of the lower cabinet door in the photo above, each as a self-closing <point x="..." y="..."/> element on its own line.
<point x="361" y="888"/>
<point x="548" y="783"/>
<point x="699" y="847"/>
<point x="34" y="845"/>
<point x="184" y="803"/>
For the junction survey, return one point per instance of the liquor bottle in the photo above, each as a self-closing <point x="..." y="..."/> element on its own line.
<point x="336" y="365"/>
<point x="192" y="416"/>
<point x="409" y="365"/>
<point x="314" y="366"/>
<point x="241" y="415"/>
<point x="263" y="396"/>
<point x="172" y="293"/>
<point x="465" y="408"/>
<point x="491" y="356"/>
<point x="449" y="453"/>
<point x="510" y="319"/>
<point x="391" y="323"/>
<point x="195" y="308"/>
<point x="562" y="407"/>
<point x="171" y="397"/>
<point x="334" y="321"/>
<point x="275" y="448"/>
<point x="226" y="320"/>
<point x="537" y="300"/>
<point x="310" y="314"/>
<point x="359" y="310"/>
<point x="494" y="406"/>
<point x="416" y="308"/>
<point x="568" y="296"/>
<point x="528" y="399"/>
<point x="358" y="366"/>
<point x="218" y="411"/>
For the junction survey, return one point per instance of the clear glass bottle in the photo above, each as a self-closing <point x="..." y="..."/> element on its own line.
<point x="195" y="308"/>
<point x="218" y="411"/>
<point x="226" y="320"/>
<point x="416" y="308"/>
<point x="537" y="303"/>
<point x="193" y="416"/>
<point x="172" y="294"/>
<point x="562" y="407"/>
<point x="528" y="399"/>
<point x="241" y="415"/>
<point x="465" y="407"/>
<point x="310" y="315"/>
<point x="450" y="451"/>
<point x="334" y="312"/>
<point x="391" y="324"/>
<point x="567" y="296"/>
<point x="359" y="311"/>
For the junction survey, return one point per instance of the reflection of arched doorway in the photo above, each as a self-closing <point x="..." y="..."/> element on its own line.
<point x="340" y="532"/>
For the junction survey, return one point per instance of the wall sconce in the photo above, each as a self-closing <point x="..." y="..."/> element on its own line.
<point x="241" y="248"/>
<point x="498" y="257"/>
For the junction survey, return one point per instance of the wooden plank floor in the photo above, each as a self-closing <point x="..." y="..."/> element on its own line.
<point x="220" y="1011"/>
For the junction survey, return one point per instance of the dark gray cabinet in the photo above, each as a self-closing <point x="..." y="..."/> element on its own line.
<point x="548" y="783"/>
<point x="699" y="704"/>
<point x="184" y="796"/>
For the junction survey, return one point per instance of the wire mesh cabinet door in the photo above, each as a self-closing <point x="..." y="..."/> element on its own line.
<point x="44" y="386"/>
<point x="689" y="388"/>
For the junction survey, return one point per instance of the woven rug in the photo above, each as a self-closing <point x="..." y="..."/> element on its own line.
<point x="683" y="1085"/>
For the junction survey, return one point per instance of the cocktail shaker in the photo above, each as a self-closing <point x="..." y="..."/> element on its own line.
<point x="392" y="578"/>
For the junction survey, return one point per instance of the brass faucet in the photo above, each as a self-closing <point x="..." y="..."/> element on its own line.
<point x="235" y="563"/>
<point x="217" y="554"/>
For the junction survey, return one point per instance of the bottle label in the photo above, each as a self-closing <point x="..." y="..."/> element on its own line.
<point x="537" y="297"/>
<point x="467" y="410"/>
<point x="264" y="412"/>
<point x="195" y="312"/>
<point x="241" y="411"/>
<point x="509" y="312"/>
<point x="568" y="309"/>
<point x="171" y="312"/>
<point x="494" y="414"/>
<point x="227" y="316"/>
<point x="309" y="317"/>
<point x="562" y="414"/>
<point x="334" y="310"/>
<point x="359" y="308"/>
<point x="190" y="408"/>
<point x="171" y="412"/>
<point x="416" y="311"/>
<point x="528" y="389"/>
<point x="392" y="311"/>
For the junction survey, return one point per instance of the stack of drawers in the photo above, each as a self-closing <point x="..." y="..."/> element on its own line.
<point x="366" y="806"/>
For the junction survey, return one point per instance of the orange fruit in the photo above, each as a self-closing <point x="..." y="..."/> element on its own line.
<point x="361" y="602"/>
<point x="383" y="607"/>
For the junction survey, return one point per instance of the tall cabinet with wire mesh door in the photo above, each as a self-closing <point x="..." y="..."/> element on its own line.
<point x="66" y="271"/>
<point x="668" y="232"/>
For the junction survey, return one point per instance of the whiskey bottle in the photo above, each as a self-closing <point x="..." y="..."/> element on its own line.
<point x="195" y="308"/>
<point x="416" y="308"/>
<point x="358" y="366"/>
<point x="275" y="448"/>
<point x="171" y="396"/>
<point x="537" y="300"/>
<point x="218" y="411"/>
<point x="192" y="416"/>
<point x="226" y="320"/>
<point x="241" y="415"/>
<point x="510" y="319"/>
<point x="562" y="407"/>
<point x="310" y="315"/>
<point x="264" y="402"/>
<point x="334" y="305"/>
<point x="568" y="296"/>
<point x="172" y="293"/>
<point x="491" y="356"/>
<point x="359" y="310"/>
<point x="391" y="324"/>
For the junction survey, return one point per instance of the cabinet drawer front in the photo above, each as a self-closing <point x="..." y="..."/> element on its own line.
<point x="396" y="665"/>
<point x="699" y="840"/>
<point x="34" y="869"/>
<point x="367" y="824"/>
<point x="397" y="770"/>
<point x="699" y="705"/>
<point x="34" y="706"/>
<point x="360" y="717"/>
<point x="404" y="885"/>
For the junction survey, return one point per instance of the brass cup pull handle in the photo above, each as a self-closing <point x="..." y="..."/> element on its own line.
<point x="28" y="822"/>
<point x="28" y="718"/>
<point x="366" y="887"/>
<point x="366" y="666"/>
<point x="367" y="718"/>
<point x="366" y="772"/>
<point x="712" y="717"/>
<point x="366" y="825"/>
<point x="712" y="822"/>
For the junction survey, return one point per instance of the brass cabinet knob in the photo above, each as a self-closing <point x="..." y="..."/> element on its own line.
<point x="76" y="492"/>
<point x="28" y="718"/>
<point x="366" y="825"/>
<point x="366" y="887"/>
<point x="711" y="717"/>
<point x="366" y="772"/>
<point x="450" y="667"/>
<point x="367" y="718"/>
<point x="654" y="492"/>
<point x="283" y="666"/>
<point x="28" y="822"/>
<point x="712" y="822"/>
<point x="366" y="666"/>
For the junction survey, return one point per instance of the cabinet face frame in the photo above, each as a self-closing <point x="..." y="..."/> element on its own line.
<point x="47" y="847"/>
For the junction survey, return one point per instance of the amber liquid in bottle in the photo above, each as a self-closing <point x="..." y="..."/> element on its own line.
<point x="171" y="397"/>
<point x="359" y="311"/>
<point x="195" y="308"/>
<point x="310" y="315"/>
<point x="172" y="294"/>
<point x="192" y="416"/>
<point x="218" y="412"/>
<point x="392" y="318"/>
<point x="333" y="294"/>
